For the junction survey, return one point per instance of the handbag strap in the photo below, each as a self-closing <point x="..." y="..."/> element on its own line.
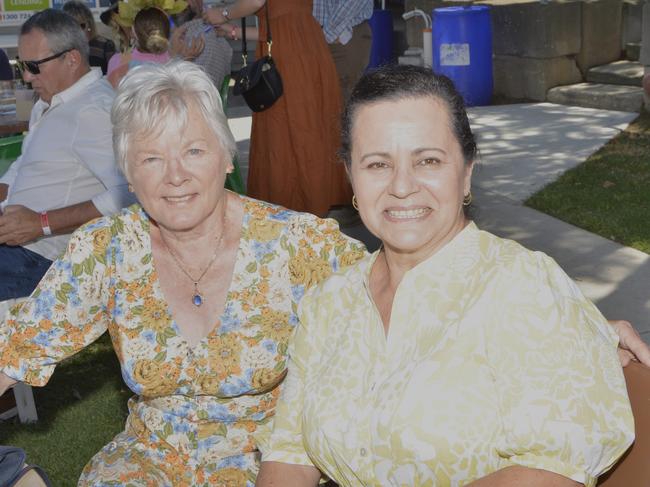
<point x="269" y="40"/>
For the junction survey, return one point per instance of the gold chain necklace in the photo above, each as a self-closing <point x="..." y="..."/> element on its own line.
<point x="197" y="297"/>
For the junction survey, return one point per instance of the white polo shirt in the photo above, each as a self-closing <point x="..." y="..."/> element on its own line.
<point x="67" y="157"/>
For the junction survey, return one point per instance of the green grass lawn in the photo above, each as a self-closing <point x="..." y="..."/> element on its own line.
<point x="80" y="410"/>
<point x="610" y="193"/>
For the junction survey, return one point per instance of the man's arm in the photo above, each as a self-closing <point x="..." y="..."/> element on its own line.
<point x="20" y="225"/>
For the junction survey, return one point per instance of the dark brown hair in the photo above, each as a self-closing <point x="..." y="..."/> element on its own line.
<point x="397" y="82"/>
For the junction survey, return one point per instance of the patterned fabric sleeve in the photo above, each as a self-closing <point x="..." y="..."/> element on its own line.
<point x="65" y="313"/>
<point x="321" y="250"/>
<point x="561" y="388"/>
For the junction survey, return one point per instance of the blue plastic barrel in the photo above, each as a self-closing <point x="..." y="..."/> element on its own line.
<point x="462" y="50"/>
<point x="381" y="50"/>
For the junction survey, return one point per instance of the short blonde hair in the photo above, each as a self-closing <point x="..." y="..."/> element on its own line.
<point x="153" y="96"/>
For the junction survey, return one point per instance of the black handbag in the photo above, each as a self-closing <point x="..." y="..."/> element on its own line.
<point x="258" y="82"/>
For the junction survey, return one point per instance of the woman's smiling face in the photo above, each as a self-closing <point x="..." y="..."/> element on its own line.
<point x="408" y="174"/>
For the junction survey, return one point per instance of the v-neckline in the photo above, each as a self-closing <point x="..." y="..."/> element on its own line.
<point x="159" y="291"/>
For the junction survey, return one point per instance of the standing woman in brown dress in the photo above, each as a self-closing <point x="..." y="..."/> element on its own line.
<point x="293" y="159"/>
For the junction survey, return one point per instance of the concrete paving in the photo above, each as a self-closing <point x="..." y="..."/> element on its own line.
<point x="523" y="148"/>
<point x="598" y="95"/>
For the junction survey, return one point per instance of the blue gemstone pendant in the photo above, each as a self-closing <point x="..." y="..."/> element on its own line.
<point x="197" y="299"/>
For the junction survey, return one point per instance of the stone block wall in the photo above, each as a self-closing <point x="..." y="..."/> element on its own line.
<point x="539" y="45"/>
<point x="601" y="33"/>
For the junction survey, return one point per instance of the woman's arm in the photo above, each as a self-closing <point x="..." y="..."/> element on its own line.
<point x="67" y="311"/>
<point x="274" y="474"/>
<point x="5" y="382"/>
<point x="232" y="31"/>
<point x="517" y="476"/>
<point x="237" y="10"/>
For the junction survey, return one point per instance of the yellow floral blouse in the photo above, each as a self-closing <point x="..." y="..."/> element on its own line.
<point x="493" y="358"/>
<point x="196" y="409"/>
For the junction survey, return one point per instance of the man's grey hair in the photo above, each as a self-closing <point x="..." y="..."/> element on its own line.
<point x="154" y="97"/>
<point x="61" y="31"/>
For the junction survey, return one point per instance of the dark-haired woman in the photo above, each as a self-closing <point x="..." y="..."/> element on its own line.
<point x="101" y="48"/>
<point x="450" y="356"/>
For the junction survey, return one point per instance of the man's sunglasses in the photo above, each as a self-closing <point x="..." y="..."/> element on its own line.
<point x="33" y="66"/>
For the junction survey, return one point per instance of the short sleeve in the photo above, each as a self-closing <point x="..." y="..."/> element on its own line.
<point x="562" y="395"/>
<point x="66" y="312"/>
<point x="319" y="249"/>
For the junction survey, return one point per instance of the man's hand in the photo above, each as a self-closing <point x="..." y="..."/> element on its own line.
<point x="630" y="346"/>
<point x="19" y="225"/>
<point x="5" y="382"/>
<point x="180" y="47"/>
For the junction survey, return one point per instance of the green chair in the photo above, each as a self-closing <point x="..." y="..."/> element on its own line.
<point x="9" y="151"/>
<point x="234" y="180"/>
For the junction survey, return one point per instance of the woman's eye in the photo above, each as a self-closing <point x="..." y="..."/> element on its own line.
<point x="195" y="152"/>
<point x="429" y="161"/>
<point x="377" y="165"/>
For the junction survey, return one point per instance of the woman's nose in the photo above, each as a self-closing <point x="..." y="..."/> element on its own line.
<point x="403" y="181"/>
<point x="176" y="173"/>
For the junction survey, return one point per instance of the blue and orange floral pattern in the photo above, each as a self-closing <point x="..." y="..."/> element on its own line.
<point x="196" y="409"/>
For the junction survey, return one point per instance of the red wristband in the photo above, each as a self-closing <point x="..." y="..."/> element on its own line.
<point x="45" y="224"/>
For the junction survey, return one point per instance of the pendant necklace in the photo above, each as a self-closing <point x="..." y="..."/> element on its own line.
<point x="197" y="297"/>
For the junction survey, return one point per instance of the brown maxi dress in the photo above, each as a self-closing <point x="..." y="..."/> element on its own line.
<point x="293" y="144"/>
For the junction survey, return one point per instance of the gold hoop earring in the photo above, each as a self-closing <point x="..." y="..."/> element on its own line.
<point x="354" y="202"/>
<point x="467" y="200"/>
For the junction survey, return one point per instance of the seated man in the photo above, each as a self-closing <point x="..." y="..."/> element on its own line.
<point x="66" y="174"/>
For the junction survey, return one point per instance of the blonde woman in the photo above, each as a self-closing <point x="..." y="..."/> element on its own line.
<point x="151" y="31"/>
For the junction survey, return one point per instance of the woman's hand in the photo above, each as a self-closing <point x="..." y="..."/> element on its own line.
<point x="231" y="31"/>
<point x="5" y="382"/>
<point x="287" y="475"/>
<point x="530" y="477"/>
<point x="630" y="346"/>
<point x="214" y="16"/>
<point x="180" y="47"/>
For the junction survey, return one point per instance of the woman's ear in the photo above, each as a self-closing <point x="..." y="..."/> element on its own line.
<point x="467" y="181"/>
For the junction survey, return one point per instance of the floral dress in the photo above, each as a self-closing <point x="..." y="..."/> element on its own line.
<point x="196" y="409"/>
